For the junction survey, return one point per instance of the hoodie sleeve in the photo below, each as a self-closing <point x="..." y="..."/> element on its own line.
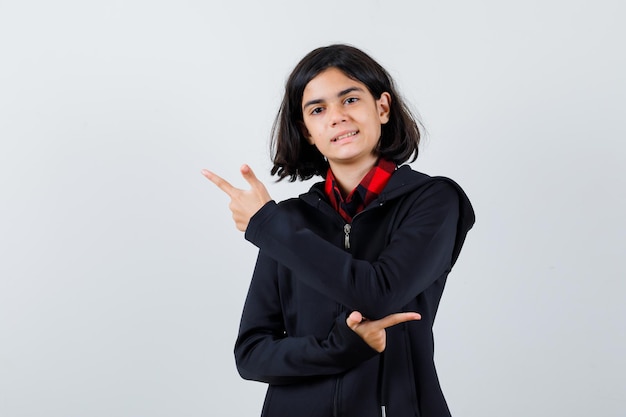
<point x="420" y="251"/>
<point x="263" y="350"/>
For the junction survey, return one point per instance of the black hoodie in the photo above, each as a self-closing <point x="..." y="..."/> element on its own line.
<point x="313" y="270"/>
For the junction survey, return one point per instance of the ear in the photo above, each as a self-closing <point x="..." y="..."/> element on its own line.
<point x="383" y="105"/>
<point x="305" y="132"/>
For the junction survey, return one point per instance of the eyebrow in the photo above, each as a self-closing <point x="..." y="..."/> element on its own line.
<point x="341" y="93"/>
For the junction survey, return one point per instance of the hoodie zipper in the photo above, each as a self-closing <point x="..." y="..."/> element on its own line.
<point x="346" y="240"/>
<point x="347" y="228"/>
<point x="336" y="399"/>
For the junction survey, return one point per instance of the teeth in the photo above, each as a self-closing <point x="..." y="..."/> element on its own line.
<point x="347" y="135"/>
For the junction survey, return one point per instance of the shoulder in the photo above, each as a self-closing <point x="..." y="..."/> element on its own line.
<point x="312" y="197"/>
<point x="418" y="186"/>
<point x="406" y="180"/>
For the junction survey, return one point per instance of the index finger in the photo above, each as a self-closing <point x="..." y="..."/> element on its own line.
<point x="397" y="318"/>
<point x="221" y="183"/>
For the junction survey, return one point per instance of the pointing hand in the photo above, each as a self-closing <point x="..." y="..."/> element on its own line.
<point x="243" y="203"/>
<point x="373" y="331"/>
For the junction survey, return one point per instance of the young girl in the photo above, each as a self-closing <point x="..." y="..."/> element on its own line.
<point x="338" y="318"/>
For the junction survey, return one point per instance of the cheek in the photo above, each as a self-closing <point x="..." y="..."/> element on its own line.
<point x="312" y="131"/>
<point x="305" y="130"/>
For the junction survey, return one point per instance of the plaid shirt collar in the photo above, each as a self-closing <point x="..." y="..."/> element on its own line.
<point x="368" y="189"/>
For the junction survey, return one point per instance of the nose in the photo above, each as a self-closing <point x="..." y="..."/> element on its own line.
<point x="337" y="115"/>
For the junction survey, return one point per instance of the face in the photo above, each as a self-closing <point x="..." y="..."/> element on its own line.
<point x="342" y="119"/>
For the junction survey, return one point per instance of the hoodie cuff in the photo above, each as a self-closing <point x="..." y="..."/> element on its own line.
<point x="262" y="216"/>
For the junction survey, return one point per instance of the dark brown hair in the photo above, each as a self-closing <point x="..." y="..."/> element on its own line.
<point x="294" y="157"/>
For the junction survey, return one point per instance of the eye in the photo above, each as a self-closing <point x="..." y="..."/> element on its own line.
<point x="351" y="100"/>
<point x="317" y="110"/>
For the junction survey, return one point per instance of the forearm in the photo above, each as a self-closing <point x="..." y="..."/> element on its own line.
<point x="269" y="350"/>
<point x="283" y="360"/>
<point x="418" y="254"/>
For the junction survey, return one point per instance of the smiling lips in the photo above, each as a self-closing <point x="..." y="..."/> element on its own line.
<point x="344" y="136"/>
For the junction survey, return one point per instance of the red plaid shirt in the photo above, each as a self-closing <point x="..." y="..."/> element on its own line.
<point x="368" y="189"/>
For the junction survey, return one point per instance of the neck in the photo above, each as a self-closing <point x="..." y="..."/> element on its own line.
<point x="349" y="176"/>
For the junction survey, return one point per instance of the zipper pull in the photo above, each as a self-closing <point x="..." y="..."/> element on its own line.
<point x="346" y="230"/>
<point x="383" y="411"/>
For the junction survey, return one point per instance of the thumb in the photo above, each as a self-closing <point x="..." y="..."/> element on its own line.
<point x="354" y="319"/>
